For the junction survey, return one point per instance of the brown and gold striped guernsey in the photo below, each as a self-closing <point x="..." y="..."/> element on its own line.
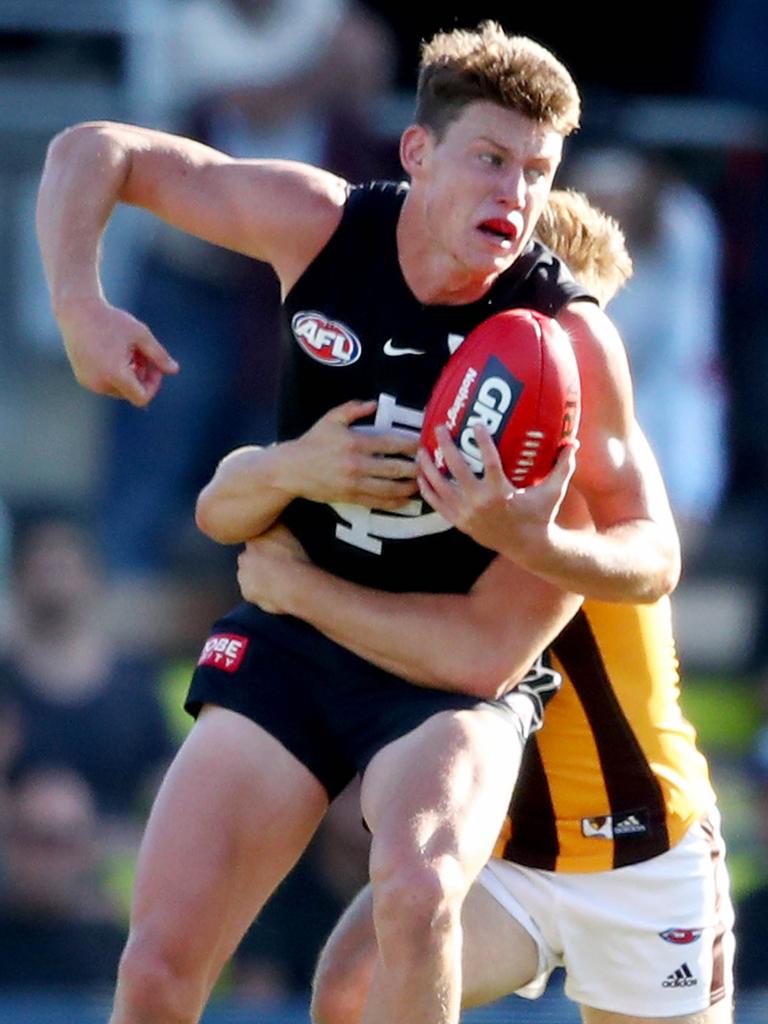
<point x="615" y="776"/>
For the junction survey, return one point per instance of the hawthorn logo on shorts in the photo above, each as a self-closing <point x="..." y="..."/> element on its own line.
<point x="325" y="340"/>
<point x="681" y="936"/>
<point x="224" y="651"/>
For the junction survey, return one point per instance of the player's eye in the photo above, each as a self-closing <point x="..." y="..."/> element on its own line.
<point x="533" y="175"/>
<point x="492" y="159"/>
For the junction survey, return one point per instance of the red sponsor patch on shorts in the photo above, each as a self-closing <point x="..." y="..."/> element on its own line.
<point x="224" y="651"/>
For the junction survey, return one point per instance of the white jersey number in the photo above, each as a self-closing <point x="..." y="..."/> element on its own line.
<point x="366" y="528"/>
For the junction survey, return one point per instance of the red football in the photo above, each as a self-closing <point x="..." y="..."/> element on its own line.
<point x="516" y="374"/>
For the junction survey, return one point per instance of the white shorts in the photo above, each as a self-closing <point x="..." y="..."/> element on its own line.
<point x="650" y="940"/>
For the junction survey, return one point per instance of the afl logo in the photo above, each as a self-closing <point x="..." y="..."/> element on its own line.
<point x="681" y="936"/>
<point x="325" y="340"/>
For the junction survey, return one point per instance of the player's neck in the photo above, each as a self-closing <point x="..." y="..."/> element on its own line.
<point x="435" y="277"/>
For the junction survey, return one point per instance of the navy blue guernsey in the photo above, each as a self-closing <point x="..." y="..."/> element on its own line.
<point x="353" y="329"/>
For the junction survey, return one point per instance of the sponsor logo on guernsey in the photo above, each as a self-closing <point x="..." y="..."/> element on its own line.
<point x="611" y="826"/>
<point x="681" y="978"/>
<point x="629" y="825"/>
<point x="390" y="349"/>
<point x="326" y="341"/>
<point x="681" y="936"/>
<point x="224" y="651"/>
<point x="597" y="828"/>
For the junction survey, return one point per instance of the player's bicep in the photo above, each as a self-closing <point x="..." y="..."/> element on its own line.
<point x="278" y="211"/>
<point x="621" y="482"/>
<point x="616" y="470"/>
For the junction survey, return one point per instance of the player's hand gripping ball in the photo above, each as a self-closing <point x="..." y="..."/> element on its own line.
<point x="516" y="374"/>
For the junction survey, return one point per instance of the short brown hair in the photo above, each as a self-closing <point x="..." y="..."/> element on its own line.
<point x="588" y="240"/>
<point x="461" y="67"/>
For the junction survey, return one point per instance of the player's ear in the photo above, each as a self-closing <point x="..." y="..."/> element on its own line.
<point x="414" y="147"/>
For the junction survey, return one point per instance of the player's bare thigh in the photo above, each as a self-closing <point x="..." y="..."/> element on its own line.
<point x="499" y="956"/>
<point x="233" y="814"/>
<point x="720" y="1013"/>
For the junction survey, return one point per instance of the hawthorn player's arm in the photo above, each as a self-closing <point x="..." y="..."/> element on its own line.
<point x="611" y="535"/>
<point x="480" y="643"/>
<point x="631" y="552"/>
<point x="330" y="462"/>
<point x="277" y="211"/>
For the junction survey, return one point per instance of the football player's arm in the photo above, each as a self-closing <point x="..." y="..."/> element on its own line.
<point x="330" y="462"/>
<point x="480" y="643"/>
<point x="276" y="211"/>
<point x="630" y="551"/>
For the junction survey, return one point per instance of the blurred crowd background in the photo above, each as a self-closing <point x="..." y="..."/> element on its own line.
<point x="106" y="587"/>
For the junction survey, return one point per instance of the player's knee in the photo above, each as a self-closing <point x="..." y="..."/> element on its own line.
<point x="153" y="985"/>
<point x="416" y="898"/>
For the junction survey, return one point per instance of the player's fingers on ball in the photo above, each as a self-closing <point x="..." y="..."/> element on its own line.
<point x="492" y="467"/>
<point x="439" y="481"/>
<point x="565" y="464"/>
<point x="436" y="483"/>
<point x="454" y="460"/>
<point x="427" y="468"/>
<point x="428" y="492"/>
<point x="435" y="501"/>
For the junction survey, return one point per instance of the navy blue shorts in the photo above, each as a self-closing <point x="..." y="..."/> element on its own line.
<point x="331" y="709"/>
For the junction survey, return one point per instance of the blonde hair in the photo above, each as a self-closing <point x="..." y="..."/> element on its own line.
<point x="588" y="240"/>
<point x="461" y="67"/>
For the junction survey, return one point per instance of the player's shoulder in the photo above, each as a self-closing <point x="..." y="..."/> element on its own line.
<point x="298" y="209"/>
<point x="364" y="228"/>
<point x="593" y="334"/>
<point x="376" y="202"/>
<point x="314" y="190"/>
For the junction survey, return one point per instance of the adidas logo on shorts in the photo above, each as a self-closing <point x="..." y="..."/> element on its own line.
<point x="681" y="978"/>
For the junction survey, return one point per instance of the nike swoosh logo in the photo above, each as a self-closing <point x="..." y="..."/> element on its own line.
<point x="390" y="350"/>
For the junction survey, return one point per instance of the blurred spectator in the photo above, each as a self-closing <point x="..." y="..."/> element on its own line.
<point x="78" y="702"/>
<point x="669" y="316"/>
<point x="277" y="957"/>
<point x="58" y="926"/>
<point x="294" y="79"/>
<point x="734" y="68"/>
<point x="5" y="557"/>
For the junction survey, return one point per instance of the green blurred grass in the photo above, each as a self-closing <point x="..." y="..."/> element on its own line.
<point x="724" y="710"/>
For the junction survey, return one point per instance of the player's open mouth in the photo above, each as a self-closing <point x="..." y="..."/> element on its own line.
<point x="500" y="230"/>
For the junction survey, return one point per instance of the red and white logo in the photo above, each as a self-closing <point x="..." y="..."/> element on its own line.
<point x="224" y="651"/>
<point x="681" y="936"/>
<point x="325" y="340"/>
